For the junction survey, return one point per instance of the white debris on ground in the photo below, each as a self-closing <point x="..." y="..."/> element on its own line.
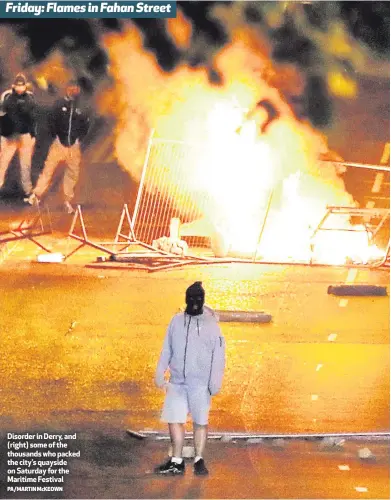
<point x="361" y="489"/>
<point x="56" y="257"/>
<point x="332" y="443"/>
<point x="278" y="443"/>
<point x="365" y="454"/>
<point x="171" y="245"/>
<point x="226" y="439"/>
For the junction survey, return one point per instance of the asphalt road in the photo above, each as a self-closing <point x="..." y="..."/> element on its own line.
<point x="81" y="345"/>
<point x="284" y="377"/>
<point x="79" y="350"/>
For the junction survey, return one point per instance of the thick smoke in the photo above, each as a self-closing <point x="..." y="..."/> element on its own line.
<point x="11" y="43"/>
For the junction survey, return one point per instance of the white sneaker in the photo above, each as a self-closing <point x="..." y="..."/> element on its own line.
<point x="32" y="199"/>
<point x="68" y="207"/>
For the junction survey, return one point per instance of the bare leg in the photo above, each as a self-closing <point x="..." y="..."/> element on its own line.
<point x="200" y="437"/>
<point x="177" y="436"/>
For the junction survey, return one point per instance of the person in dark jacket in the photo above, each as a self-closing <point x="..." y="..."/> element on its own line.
<point x="194" y="353"/>
<point x="69" y="124"/>
<point x="18" y="130"/>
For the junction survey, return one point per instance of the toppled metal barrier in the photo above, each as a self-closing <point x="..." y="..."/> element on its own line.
<point x="244" y="316"/>
<point x="357" y="290"/>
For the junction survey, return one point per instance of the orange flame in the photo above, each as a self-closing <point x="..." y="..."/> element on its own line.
<point x="180" y="29"/>
<point x="238" y="173"/>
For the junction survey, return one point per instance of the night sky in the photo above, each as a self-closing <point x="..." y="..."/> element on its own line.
<point x="367" y="21"/>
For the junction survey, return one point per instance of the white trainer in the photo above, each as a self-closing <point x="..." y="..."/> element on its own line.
<point x="32" y="199"/>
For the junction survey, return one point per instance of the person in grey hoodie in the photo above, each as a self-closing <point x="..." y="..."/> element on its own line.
<point x="194" y="353"/>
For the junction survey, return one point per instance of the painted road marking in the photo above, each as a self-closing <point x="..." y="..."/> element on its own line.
<point x="385" y="158"/>
<point x="378" y="182"/>
<point x="350" y="279"/>
<point x="352" y="274"/>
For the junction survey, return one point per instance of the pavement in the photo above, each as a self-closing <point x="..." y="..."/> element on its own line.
<point x="114" y="465"/>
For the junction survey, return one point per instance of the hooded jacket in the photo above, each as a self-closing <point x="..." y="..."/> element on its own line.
<point x="18" y="113"/>
<point x="194" y="352"/>
<point x="68" y="121"/>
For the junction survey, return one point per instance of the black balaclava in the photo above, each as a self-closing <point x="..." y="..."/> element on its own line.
<point x="195" y="298"/>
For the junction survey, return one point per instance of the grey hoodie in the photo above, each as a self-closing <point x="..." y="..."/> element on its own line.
<point x="194" y="351"/>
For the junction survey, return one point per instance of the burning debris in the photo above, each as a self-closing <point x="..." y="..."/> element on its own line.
<point x="242" y="89"/>
<point x="230" y="161"/>
<point x="171" y="245"/>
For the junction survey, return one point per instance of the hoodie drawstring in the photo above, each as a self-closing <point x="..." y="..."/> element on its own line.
<point x="184" y="324"/>
<point x="187" y="340"/>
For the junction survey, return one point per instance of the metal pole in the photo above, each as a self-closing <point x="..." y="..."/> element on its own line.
<point x="264" y="223"/>
<point x="121" y="222"/>
<point x="384" y="259"/>
<point x="140" y="188"/>
<point x="380" y="225"/>
<point x="359" y="165"/>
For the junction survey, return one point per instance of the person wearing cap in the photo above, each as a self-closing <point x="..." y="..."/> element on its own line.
<point x="194" y="354"/>
<point x="18" y="130"/>
<point x="69" y="124"/>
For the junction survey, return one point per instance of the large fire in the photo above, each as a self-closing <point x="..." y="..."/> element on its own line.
<point x="237" y="176"/>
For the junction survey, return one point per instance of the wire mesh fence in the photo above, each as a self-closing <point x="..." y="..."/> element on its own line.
<point x="166" y="192"/>
<point x="174" y="186"/>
